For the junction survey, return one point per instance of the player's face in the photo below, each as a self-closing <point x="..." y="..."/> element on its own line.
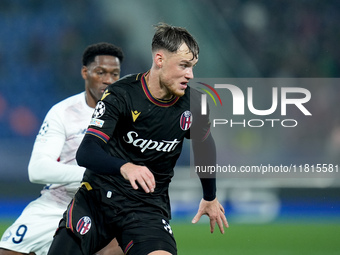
<point x="103" y="71"/>
<point x="177" y="70"/>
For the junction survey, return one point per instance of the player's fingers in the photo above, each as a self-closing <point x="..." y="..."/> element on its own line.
<point x="150" y="180"/>
<point x="220" y="224"/>
<point x="143" y="184"/>
<point x="150" y="185"/>
<point x="222" y="209"/>
<point x="196" y="218"/>
<point x="212" y="225"/>
<point x="133" y="183"/>
<point x="225" y="221"/>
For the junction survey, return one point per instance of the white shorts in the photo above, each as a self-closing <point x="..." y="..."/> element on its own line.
<point x="33" y="231"/>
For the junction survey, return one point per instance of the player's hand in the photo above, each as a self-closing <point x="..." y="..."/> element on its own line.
<point x="140" y="174"/>
<point x="215" y="211"/>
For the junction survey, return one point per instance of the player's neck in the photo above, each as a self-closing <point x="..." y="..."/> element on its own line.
<point x="156" y="88"/>
<point x="90" y="100"/>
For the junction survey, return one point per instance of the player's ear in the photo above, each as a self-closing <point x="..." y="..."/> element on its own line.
<point x="159" y="58"/>
<point x="84" y="71"/>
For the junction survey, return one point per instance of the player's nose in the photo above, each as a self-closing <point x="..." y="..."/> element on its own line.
<point x="189" y="74"/>
<point x="108" y="79"/>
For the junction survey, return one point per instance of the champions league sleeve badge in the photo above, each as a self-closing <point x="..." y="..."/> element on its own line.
<point x="99" y="110"/>
<point x="186" y="120"/>
<point x="44" y="128"/>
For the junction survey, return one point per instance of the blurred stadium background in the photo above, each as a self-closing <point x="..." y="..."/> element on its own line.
<point x="40" y="51"/>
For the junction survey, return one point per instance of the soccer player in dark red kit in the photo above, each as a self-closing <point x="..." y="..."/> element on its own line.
<point x="130" y="149"/>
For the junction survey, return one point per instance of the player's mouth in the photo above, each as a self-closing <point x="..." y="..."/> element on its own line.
<point x="184" y="85"/>
<point x="103" y="89"/>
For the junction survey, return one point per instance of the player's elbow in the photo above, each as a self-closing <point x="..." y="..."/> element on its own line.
<point x="86" y="151"/>
<point x="32" y="176"/>
<point x="80" y="157"/>
<point x="34" y="173"/>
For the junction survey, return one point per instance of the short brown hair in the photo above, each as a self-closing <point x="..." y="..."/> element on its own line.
<point x="171" y="38"/>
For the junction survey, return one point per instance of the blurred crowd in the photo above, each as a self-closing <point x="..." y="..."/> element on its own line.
<point x="42" y="43"/>
<point x="286" y="38"/>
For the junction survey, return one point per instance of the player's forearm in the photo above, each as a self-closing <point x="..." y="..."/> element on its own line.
<point x="205" y="155"/>
<point x="44" y="170"/>
<point x="92" y="155"/>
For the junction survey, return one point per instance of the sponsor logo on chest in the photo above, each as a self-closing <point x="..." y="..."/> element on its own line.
<point x="148" y="144"/>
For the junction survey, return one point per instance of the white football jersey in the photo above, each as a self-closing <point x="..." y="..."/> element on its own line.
<point x="52" y="163"/>
<point x="53" y="159"/>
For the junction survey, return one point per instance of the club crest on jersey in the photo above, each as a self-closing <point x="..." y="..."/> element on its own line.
<point x="99" y="110"/>
<point x="83" y="225"/>
<point x="186" y="120"/>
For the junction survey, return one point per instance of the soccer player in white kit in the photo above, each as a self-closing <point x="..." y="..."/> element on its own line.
<point x="53" y="160"/>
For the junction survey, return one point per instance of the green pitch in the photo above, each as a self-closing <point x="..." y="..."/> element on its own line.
<point x="279" y="238"/>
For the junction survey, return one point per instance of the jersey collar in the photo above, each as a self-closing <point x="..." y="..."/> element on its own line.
<point x="156" y="101"/>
